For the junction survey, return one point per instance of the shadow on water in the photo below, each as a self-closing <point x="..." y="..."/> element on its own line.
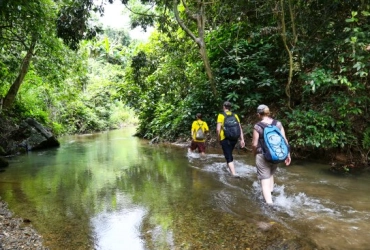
<point x="114" y="191"/>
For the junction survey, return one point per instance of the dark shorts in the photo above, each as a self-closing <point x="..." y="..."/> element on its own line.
<point x="228" y="147"/>
<point x="201" y="146"/>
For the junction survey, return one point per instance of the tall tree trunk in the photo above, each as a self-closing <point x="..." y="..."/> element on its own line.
<point x="284" y="37"/>
<point x="12" y="92"/>
<point x="281" y="16"/>
<point x="199" y="18"/>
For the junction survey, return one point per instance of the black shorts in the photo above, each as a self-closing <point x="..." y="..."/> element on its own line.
<point x="228" y="147"/>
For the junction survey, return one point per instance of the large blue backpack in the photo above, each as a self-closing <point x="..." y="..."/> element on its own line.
<point x="274" y="147"/>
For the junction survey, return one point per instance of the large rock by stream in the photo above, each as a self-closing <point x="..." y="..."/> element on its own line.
<point x="27" y="136"/>
<point x="18" y="233"/>
<point x="32" y="135"/>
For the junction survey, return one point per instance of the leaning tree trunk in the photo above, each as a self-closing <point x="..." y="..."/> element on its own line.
<point x="12" y="92"/>
<point x="199" y="18"/>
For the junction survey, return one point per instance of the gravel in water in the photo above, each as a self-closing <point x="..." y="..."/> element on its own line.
<point x="17" y="233"/>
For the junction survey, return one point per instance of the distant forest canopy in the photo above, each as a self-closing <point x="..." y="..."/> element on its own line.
<point x="307" y="60"/>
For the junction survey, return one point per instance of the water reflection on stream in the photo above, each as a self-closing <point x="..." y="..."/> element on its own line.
<point x="114" y="191"/>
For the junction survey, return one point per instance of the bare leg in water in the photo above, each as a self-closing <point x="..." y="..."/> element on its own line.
<point x="267" y="187"/>
<point x="231" y="167"/>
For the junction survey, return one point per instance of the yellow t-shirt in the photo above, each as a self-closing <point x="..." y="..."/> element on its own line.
<point x="221" y="119"/>
<point x="196" y="125"/>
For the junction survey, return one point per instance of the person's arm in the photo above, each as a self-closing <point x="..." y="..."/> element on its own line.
<point x="282" y="131"/>
<point x="218" y="130"/>
<point x="242" y="143"/>
<point x="206" y="128"/>
<point x="192" y="130"/>
<point x="255" y="138"/>
<point x="288" y="159"/>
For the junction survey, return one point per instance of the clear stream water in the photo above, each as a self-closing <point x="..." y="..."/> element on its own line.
<point x="114" y="191"/>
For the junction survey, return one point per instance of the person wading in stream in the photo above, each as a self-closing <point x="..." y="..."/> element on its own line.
<point x="199" y="129"/>
<point x="265" y="169"/>
<point x="229" y="131"/>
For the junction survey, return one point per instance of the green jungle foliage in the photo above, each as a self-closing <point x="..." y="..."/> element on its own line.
<point x="307" y="60"/>
<point x="69" y="91"/>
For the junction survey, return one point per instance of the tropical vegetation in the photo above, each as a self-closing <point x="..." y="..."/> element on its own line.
<point x="307" y="60"/>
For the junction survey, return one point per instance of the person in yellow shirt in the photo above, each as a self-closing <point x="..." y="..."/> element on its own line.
<point x="228" y="143"/>
<point x="199" y="129"/>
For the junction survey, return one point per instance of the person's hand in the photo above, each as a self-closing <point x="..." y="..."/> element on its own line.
<point x="288" y="160"/>
<point x="242" y="143"/>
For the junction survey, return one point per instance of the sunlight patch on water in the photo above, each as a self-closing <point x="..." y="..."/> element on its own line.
<point x="118" y="230"/>
<point x="163" y="239"/>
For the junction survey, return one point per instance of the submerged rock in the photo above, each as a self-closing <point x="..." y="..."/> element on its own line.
<point x="349" y="168"/>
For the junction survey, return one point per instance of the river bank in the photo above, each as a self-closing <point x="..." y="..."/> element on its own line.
<point x="17" y="233"/>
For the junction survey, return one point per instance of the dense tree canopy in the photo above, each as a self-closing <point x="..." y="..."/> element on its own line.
<point x="307" y="60"/>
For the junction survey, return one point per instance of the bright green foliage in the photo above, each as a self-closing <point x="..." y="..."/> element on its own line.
<point x="314" y="129"/>
<point x="71" y="94"/>
<point x="245" y="67"/>
<point x="336" y="99"/>
<point x="26" y="29"/>
<point x="97" y="107"/>
<point x="319" y="90"/>
<point x="250" y="65"/>
<point x="366" y="145"/>
<point x="166" y="89"/>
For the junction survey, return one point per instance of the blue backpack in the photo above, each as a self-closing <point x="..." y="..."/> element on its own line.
<point x="274" y="147"/>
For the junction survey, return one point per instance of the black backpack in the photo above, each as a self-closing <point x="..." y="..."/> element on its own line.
<point x="231" y="127"/>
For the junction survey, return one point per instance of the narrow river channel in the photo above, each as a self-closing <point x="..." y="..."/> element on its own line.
<point x="113" y="191"/>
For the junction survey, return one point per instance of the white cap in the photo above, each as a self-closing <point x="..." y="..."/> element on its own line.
<point x="262" y="109"/>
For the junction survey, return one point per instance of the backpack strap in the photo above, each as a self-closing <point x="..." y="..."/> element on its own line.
<point x="200" y="125"/>
<point x="264" y="125"/>
<point x="232" y="114"/>
<point x="226" y="115"/>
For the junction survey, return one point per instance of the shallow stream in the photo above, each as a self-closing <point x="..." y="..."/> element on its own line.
<point x="114" y="191"/>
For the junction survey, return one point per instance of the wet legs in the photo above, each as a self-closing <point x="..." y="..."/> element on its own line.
<point x="231" y="167"/>
<point x="267" y="188"/>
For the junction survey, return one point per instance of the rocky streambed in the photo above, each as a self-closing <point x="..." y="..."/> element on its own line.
<point x="17" y="233"/>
